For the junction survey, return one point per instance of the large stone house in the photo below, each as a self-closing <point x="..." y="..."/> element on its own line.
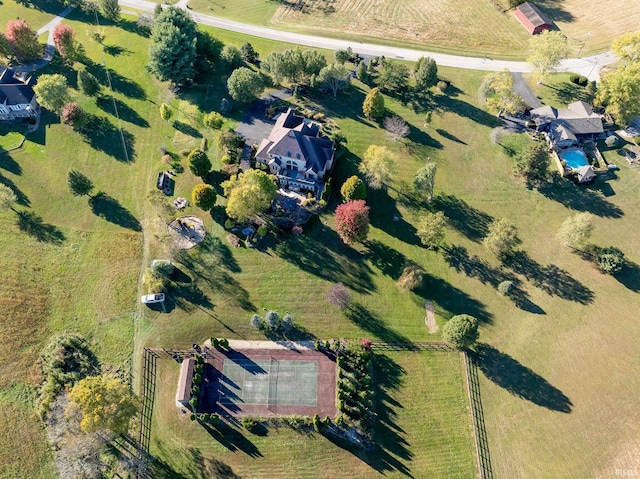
<point x="297" y="154"/>
<point x="568" y="126"/>
<point x="17" y="98"/>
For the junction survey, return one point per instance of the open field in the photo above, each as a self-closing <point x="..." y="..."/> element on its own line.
<point x="465" y="28"/>
<point x="421" y="401"/>
<point x="558" y="383"/>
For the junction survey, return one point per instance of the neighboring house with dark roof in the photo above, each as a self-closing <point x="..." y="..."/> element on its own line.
<point x="17" y="98"/>
<point x="568" y="126"/>
<point x="532" y="18"/>
<point x="296" y="153"/>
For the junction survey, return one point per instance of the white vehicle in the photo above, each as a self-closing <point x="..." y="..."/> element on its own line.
<point x="152" y="298"/>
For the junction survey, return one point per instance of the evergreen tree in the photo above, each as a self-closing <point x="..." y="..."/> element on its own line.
<point x="373" y="105"/>
<point x="425" y="73"/>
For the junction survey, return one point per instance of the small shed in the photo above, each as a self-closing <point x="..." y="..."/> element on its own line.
<point x="586" y="174"/>
<point x="532" y="18"/>
<point x="184" y="382"/>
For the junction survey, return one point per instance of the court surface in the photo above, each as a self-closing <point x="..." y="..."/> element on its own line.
<point x="269" y="382"/>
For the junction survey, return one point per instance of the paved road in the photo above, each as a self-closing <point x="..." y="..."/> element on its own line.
<point x="588" y="66"/>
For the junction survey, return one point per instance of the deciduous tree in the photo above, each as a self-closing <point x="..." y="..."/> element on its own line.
<point x="106" y="403"/>
<point x="64" y="38"/>
<point x="5" y="46"/>
<point x="619" y="92"/>
<point x="378" y="165"/>
<point x="627" y="47"/>
<point x="73" y="115"/>
<point x="396" y="127"/>
<point x="353" y="189"/>
<point x="461" y="331"/>
<point x="430" y="229"/>
<point x="373" y="105"/>
<point x="425" y="73"/>
<point x="352" y="221"/>
<point x="7" y="197"/>
<point x="497" y="89"/>
<point x="546" y="51"/>
<point x="213" y="120"/>
<point x="576" y="230"/>
<point x="610" y="260"/>
<point x="199" y="163"/>
<point x="23" y="40"/>
<point x="533" y="164"/>
<point x="425" y="178"/>
<point x="166" y="112"/>
<point x="245" y="85"/>
<point x="231" y="56"/>
<point x="249" y="194"/>
<point x="339" y="296"/>
<point x="52" y="92"/>
<point x="502" y="238"/>
<point x="79" y="183"/>
<point x="335" y="76"/>
<point x="172" y="52"/>
<point x="204" y="196"/>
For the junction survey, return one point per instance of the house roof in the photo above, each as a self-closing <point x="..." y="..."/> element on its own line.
<point x="295" y="137"/>
<point x="183" y="393"/>
<point x="14" y="91"/>
<point x="533" y="15"/>
<point x="585" y="173"/>
<point x="577" y="117"/>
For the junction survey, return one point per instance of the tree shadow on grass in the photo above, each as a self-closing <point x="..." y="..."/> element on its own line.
<point x="132" y="27"/>
<point x="298" y="333"/>
<point x="328" y="258"/>
<point x="23" y="199"/>
<point x="232" y="438"/>
<point x="551" y="279"/>
<point x="556" y="11"/>
<point x="34" y="226"/>
<point x="579" y="198"/>
<point x="449" y="136"/>
<point x="126" y="113"/>
<point x="104" y="136"/>
<point x="519" y="380"/>
<point x="567" y="92"/>
<point x="212" y="262"/>
<point x="475" y="267"/>
<point x="469" y="221"/>
<point x="391" y="448"/>
<point x="446" y="103"/>
<point x="629" y="276"/>
<point x="187" y="296"/>
<point x="112" y="211"/>
<point x="369" y="322"/>
<point x="209" y="467"/>
<point x="115" y="50"/>
<point x="389" y="219"/>
<point x="388" y="260"/>
<point x="119" y="83"/>
<point x="9" y="164"/>
<point x="186" y="129"/>
<point x="451" y="301"/>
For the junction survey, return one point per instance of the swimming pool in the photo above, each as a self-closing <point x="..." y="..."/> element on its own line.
<point x="575" y="159"/>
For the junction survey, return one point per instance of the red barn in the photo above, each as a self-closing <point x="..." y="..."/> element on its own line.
<point x="533" y="19"/>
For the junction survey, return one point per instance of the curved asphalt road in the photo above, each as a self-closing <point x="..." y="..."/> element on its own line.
<point x="588" y="66"/>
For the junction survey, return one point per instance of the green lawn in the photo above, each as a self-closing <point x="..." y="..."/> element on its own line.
<point x="421" y="403"/>
<point x="569" y="345"/>
<point x="11" y="136"/>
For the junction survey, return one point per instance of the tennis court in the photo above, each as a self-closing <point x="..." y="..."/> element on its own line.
<point x="269" y="382"/>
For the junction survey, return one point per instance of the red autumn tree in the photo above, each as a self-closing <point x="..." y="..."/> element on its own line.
<point x="23" y="40"/>
<point x="74" y="115"/>
<point x="65" y="39"/>
<point x="352" y="221"/>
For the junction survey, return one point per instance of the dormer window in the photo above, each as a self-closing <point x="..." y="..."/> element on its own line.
<point x="298" y="156"/>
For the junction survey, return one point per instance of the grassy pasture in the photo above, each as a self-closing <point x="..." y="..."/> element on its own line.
<point x="421" y="401"/>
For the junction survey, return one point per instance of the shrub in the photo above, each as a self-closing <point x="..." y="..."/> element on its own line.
<point x="192" y="417"/>
<point x="229" y="223"/>
<point x="197" y="378"/>
<point x="340" y="421"/>
<point x="249" y="423"/>
<point x="583" y="80"/>
<point x="193" y="402"/>
<point x="256" y="322"/>
<point x="339" y="295"/>
<point x="205" y="417"/>
<point x="365" y="343"/>
<point x="199" y="359"/>
<point x="573" y="78"/>
<point x="461" y="331"/>
<point x="224" y="342"/>
<point x="215" y="343"/>
<point x="213" y="120"/>
<point x="195" y="390"/>
<point x="442" y="86"/>
<point x="73" y="115"/>
<point x="272" y="320"/>
<point x="505" y="288"/>
<point x="287" y="322"/>
<point x="213" y="418"/>
<point x="317" y="345"/>
<point x="296" y="230"/>
<point x="411" y="277"/>
<point x="611" y="141"/>
<point x="262" y="230"/>
<point x="167" y="159"/>
<point x="610" y="260"/>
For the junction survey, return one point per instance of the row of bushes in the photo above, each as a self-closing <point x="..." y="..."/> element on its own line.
<point x="205" y="418"/>
<point x="272" y="321"/>
<point x="219" y="343"/>
<point x="331" y="345"/>
<point x="196" y="381"/>
<point x="354" y="387"/>
<point x="578" y="79"/>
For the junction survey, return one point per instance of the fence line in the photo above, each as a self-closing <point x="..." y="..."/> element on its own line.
<point x="147" y="397"/>
<point x="477" y="418"/>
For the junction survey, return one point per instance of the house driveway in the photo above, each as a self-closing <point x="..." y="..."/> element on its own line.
<point x="521" y="88"/>
<point x="255" y="125"/>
